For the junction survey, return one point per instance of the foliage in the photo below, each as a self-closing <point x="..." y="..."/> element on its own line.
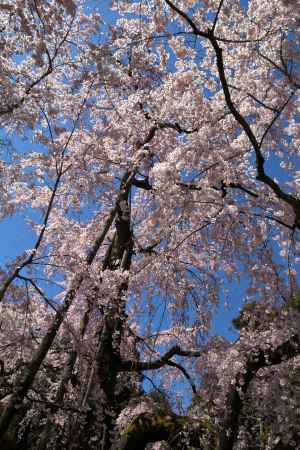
<point x="152" y="148"/>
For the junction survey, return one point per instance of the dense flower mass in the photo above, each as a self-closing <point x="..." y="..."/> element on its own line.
<point x="151" y="149"/>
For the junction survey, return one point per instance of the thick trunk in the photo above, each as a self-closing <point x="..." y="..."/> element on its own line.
<point x="99" y="404"/>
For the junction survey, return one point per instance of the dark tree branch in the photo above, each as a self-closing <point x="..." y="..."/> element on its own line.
<point x="2" y="370"/>
<point x="242" y="188"/>
<point x="175" y="126"/>
<point x="195" y="187"/>
<point x="278" y="112"/>
<point x="142" y="184"/>
<point x="161" y="125"/>
<point x="185" y="373"/>
<point x="275" y="219"/>
<point x="149" y="249"/>
<point x="260" y="102"/>
<point x="190" y="186"/>
<point x="191" y="33"/>
<point x="187" y="19"/>
<point x="138" y="366"/>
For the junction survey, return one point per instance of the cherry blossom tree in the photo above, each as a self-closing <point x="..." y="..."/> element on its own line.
<point x="155" y="158"/>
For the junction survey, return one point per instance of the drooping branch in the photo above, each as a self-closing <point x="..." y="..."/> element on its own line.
<point x="260" y="160"/>
<point x="256" y="360"/>
<point x="60" y="172"/>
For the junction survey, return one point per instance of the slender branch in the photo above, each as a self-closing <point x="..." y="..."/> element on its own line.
<point x="206" y="224"/>
<point x="191" y="33"/>
<point x="260" y="102"/>
<point x="275" y="219"/>
<point x="29" y="259"/>
<point x="278" y="112"/>
<point x="284" y="70"/>
<point x="40" y="292"/>
<point x="48" y="124"/>
<point x="195" y="187"/>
